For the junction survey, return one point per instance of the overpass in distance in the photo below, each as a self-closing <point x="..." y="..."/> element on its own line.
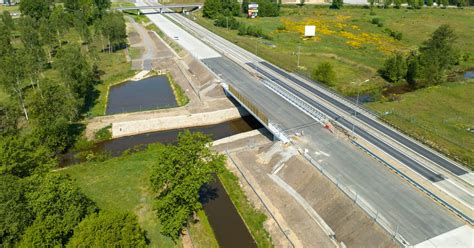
<point x="292" y="103"/>
<point x="161" y="8"/>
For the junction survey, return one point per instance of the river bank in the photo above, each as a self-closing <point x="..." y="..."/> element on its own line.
<point x="121" y="183"/>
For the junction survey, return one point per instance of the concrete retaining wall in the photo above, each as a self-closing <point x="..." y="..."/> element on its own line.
<point x="127" y="128"/>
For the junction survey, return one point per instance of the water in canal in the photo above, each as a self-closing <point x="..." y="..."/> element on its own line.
<point x="146" y="94"/>
<point x="229" y="228"/>
<point x="469" y="74"/>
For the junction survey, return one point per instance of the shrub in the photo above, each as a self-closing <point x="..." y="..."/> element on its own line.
<point x="337" y="4"/>
<point x="104" y="133"/>
<point x="376" y="20"/>
<point x="227" y="22"/>
<point x="252" y="30"/>
<point x="396" y="35"/>
<point x="325" y="73"/>
<point x="268" y="8"/>
<point x="281" y="27"/>
<point x="242" y="30"/>
<point x="395" y="68"/>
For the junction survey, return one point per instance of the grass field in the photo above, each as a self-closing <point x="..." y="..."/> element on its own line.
<point x="122" y="184"/>
<point x="357" y="48"/>
<point x="14" y="8"/>
<point x="116" y="69"/>
<point x="439" y="116"/>
<point x="348" y="39"/>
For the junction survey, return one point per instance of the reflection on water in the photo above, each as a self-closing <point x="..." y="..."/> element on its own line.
<point x="147" y="94"/>
<point x="225" y="221"/>
<point x="117" y="146"/>
<point x="229" y="228"/>
<point x="219" y="131"/>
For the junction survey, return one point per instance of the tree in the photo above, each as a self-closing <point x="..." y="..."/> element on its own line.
<point x="325" y="73"/>
<point x="230" y="7"/>
<point x="8" y="20"/>
<point x="58" y="206"/>
<point x="9" y="115"/>
<point x="15" y="214"/>
<point x="23" y="156"/>
<point x="398" y="3"/>
<point x="76" y="72"/>
<point x="177" y="177"/>
<point x="395" y="68"/>
<point x="36" y="9"/>
<point x="48" y="36"/>
<point x="445" y="3"/>
<point x="268" y="8"/>
<point x="5" y="42"/>
<point x="245" y="6"/>
<point x="102" y="6"/>
<point x="461" y="3"/>
<point x="82" y="9"/>
<point x="337" y="4"/>
<point x="107" y="229"/>
<point x="412" y="69"/>
<point x="113" y="28"/>
<point x="57" y="22"/>
<point x="34" y="57"/>
<point x="438" y="54"/>
<point x="51" y="112"/>
<point x="371" y="3"/>
<point x="429" y="3"/>
<point x="12" y="74"/>
<point x="387" y="3"/>
<point x="211" y="8"/>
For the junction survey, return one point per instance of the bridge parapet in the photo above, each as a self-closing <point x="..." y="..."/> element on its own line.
<point x="246" y="103"/>
<point x="257" y="113"/>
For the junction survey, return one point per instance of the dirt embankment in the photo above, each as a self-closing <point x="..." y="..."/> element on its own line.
<point x="350" y="223"/>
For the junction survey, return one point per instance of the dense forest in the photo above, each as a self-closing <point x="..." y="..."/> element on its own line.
<point x="48" y="71"/>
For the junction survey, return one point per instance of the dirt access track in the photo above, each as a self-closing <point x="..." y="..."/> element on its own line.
<point x="206" y="96"/>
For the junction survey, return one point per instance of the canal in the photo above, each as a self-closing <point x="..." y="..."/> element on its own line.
<point x="228" y="226"/>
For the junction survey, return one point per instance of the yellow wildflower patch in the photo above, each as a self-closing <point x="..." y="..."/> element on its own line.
<point x="338" y="28"/>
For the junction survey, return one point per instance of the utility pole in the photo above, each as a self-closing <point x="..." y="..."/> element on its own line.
<point x="227" y="20"/>
<point x="298" y="63"/>
<point x="357" y="104"/>
<point x="256" y="47"/>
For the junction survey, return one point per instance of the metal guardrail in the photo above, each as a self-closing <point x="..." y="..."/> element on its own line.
<point x="418" y="186"/>
<point x="354" y="196"/>
<point x="297" y="102"/>
<point x="385" y="121"/>
<point x="320" y="117"/>
<point x="300" y="103"/>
